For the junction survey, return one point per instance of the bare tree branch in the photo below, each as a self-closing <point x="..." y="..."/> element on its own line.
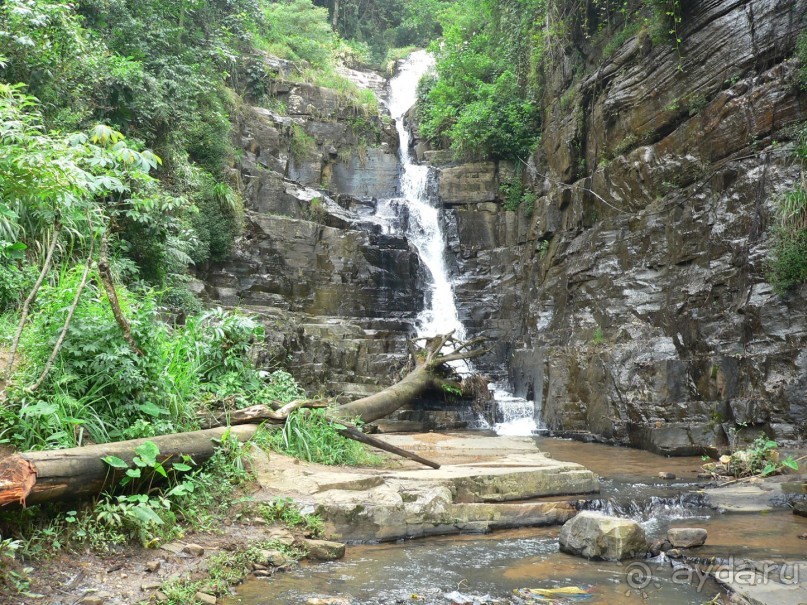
<point x="67" y="321"/>
<point x="26" y="306"/>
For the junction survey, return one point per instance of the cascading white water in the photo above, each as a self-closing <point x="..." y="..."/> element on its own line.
<point x="440" y="313"/>
<point x="424" y="231"/>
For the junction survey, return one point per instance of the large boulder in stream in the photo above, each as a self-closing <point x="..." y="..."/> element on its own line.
<point x="597" y="536"/>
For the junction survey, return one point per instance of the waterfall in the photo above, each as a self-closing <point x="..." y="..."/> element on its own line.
<point x="415" y="215"/>
<point x="423" y="225"/>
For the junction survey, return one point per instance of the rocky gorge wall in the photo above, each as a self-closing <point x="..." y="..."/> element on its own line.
<point x="338" y="296"/>
<point x="631" y="301"/>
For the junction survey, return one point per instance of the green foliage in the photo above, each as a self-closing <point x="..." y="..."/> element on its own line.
<point x="788" y="265"/>
<point x="149" y="70"/>
<point x="450" y="389"/>
<point x="623" y="35"/>
<point x="298" y="31"/>
<point x="801" y="55"/>
<point x="286" y="511"/>
<point x="788" y="258"/>
<point x="301" y="144"/>
<point x="310" y="436"/>
<point x="148" y="513"/>
<point x="484" y="100"/>
<point x="224" y="570"/>
<point x="761" y="458"/>
<point x="101" y="390"/>
<point x="598" y="337"/>
<point x="665" y="24"/>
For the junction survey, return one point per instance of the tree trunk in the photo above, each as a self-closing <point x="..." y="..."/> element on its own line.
<point x="427" y="359"/>
<point x="35" y="477"/>
<point x="384" y="403"/>
<point x="109" y="285"/>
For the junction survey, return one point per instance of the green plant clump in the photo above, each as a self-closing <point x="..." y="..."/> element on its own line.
<point x="485" y="96"/>
<point x="788" y="260"/>
<point x="310" y="436"/>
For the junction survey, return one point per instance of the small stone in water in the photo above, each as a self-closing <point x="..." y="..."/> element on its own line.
<point x="686" y="537"/>
<point x="667" y="476"/>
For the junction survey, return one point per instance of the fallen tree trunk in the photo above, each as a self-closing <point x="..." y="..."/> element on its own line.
<point x="35" y="477"/>
<point x="427" y="360"/>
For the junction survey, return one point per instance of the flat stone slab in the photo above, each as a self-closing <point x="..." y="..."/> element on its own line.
<point x="475" y="493"/>
<point x="782" y="584"/>
<point x="744" y="498"/>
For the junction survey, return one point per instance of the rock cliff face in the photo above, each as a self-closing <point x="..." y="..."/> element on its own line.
<point x="337" y="295"/>
<point x="631" y="301"/>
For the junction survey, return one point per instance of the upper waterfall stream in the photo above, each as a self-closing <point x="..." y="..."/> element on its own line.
<point x="417" y="216"/>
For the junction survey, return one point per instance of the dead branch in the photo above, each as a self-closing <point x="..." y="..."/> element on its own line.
<point x="67" y="321"/>
<point x="26" y="306"/>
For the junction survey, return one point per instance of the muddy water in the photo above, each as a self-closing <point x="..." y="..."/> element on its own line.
<point x="500" y="563"/>
<point x="424" y="571"/>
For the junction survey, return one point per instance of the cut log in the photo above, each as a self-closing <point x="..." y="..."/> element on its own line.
<point x="35" y="477"/>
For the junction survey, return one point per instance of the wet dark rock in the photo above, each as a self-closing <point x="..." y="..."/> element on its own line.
<point x="337" y="296"/>
<point x="658" y="547"/>
<point x="667" y="476"/>
<point x="632" y="301"/>
<point x="800" y="508"/>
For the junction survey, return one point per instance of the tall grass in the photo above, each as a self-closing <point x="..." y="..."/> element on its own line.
<point x="310" y="436"/>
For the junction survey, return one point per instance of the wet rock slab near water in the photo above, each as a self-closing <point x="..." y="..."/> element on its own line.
<point x="482" y="485"/>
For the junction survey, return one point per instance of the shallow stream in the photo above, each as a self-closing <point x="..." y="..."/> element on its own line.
<point x="433" y="570"/>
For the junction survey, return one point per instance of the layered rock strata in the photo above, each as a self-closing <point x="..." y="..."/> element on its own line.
<point x="630" y="301"/>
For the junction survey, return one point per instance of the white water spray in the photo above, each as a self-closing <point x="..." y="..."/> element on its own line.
<point x="423" y="229"/>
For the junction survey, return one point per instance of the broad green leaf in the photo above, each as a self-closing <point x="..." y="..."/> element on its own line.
<point x="148" y="451"/>
<point x="145" y="515"/>
<point x="115" y="462"/>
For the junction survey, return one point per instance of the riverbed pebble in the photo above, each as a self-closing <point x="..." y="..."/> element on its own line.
<point x="153" y="565"/>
